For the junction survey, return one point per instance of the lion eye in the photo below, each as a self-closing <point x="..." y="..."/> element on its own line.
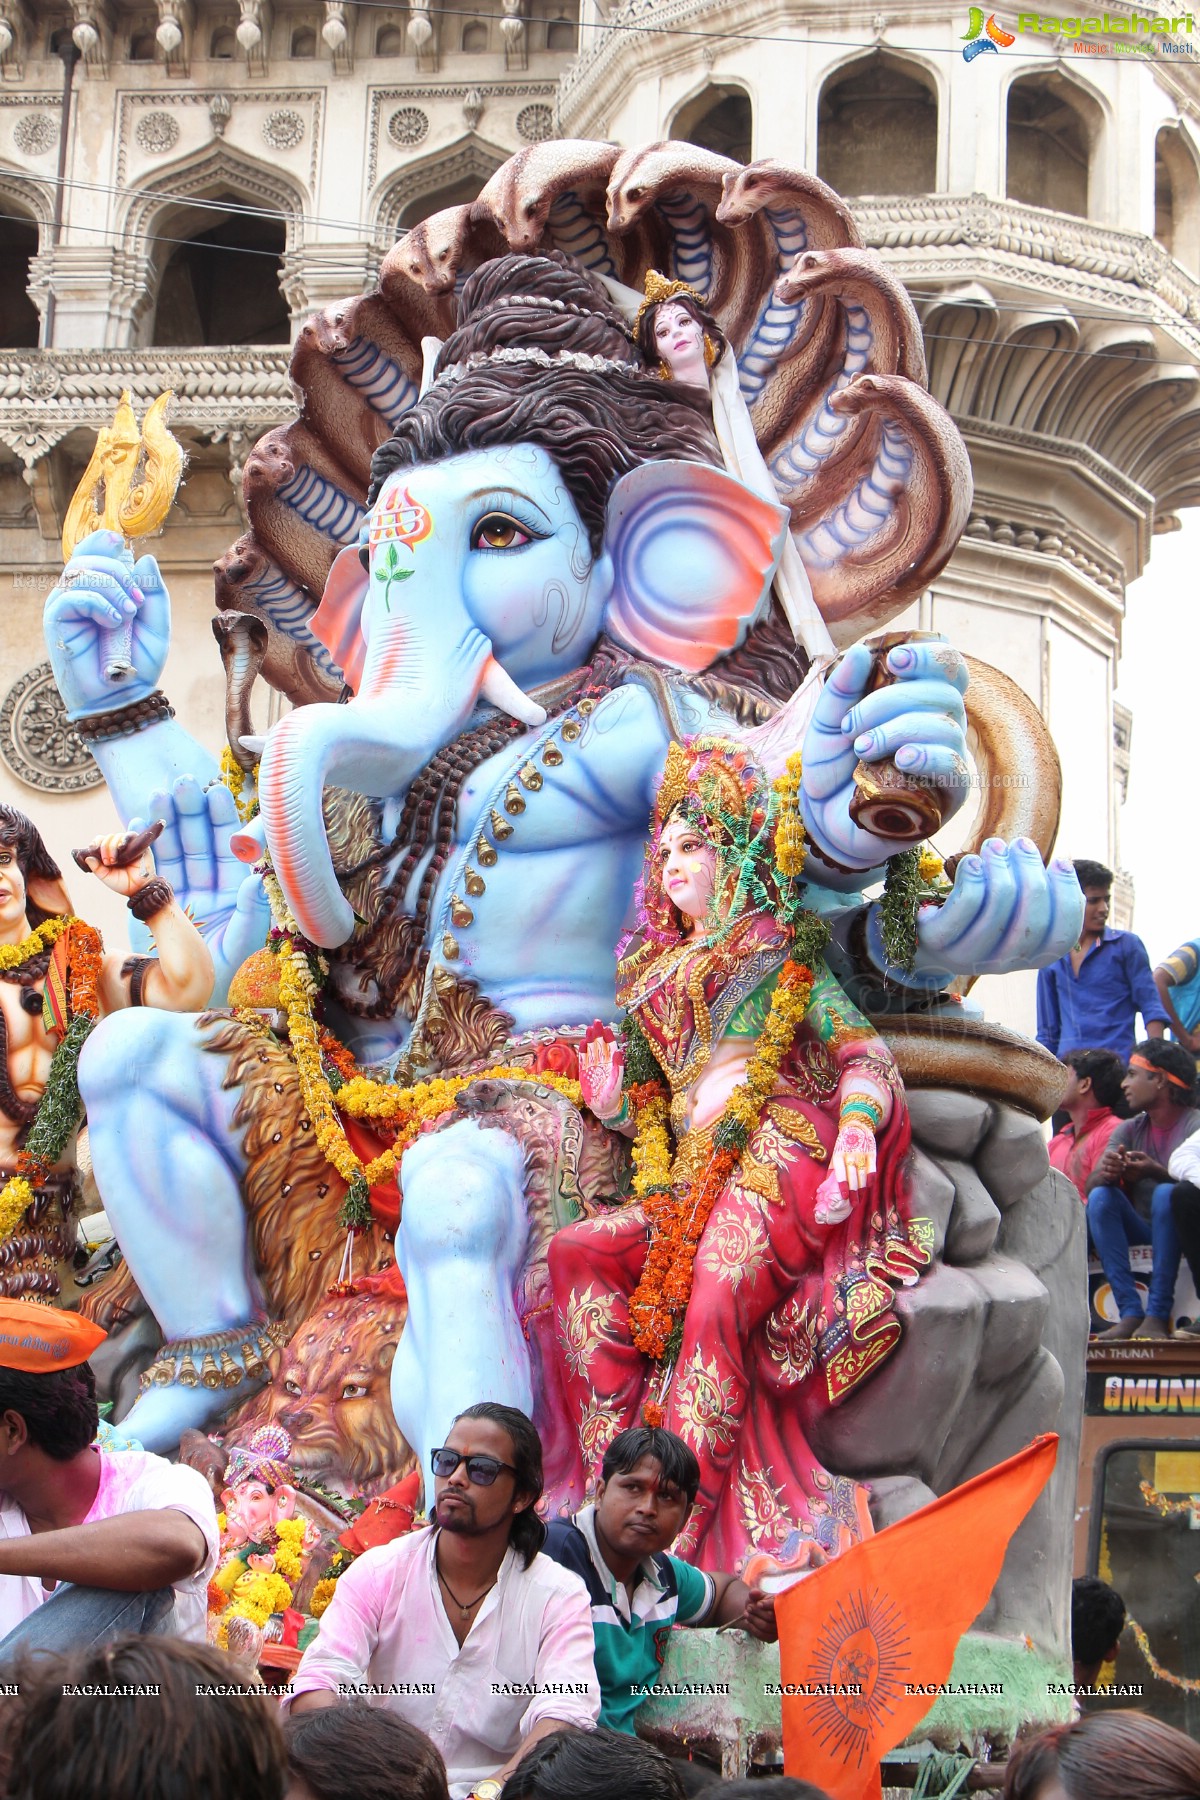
<point x="291" y="1387"/>
<point x="354" y="1390"/>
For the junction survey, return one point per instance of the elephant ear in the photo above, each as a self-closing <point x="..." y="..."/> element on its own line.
<point x="694" y="552"/>
<point x="340" y="621"/>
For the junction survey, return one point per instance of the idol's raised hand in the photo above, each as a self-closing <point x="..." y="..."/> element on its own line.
<point x="107" y="626"/>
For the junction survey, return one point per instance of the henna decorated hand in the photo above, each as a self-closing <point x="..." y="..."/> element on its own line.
<point x="601" y="1072"/>
<point x="851" y="1172"/>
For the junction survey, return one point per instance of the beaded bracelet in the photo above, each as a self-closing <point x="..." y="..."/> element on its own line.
<point x="124" y="721"/>
<point x="150" y="899"/>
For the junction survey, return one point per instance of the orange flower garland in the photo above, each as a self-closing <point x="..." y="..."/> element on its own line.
<point x="676" y="1223"/>
<point x="57" y="1115"/>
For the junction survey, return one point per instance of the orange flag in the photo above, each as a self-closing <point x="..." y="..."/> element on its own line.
<point x="888" y="1615"/>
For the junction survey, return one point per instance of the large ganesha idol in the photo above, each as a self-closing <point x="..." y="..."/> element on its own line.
<point x="615" y="468"/>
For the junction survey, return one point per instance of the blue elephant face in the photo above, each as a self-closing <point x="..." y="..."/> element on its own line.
<point x="496" y="533"/>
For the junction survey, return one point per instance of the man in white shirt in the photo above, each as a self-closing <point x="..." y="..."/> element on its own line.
<point x="466" y="1630"/>
<point x="127" y="1539"/>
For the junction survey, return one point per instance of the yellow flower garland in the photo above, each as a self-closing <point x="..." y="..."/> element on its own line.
<point x="234" y="777"/>
<point x="404" y="1110"/>
<point x="322" y="1594"/>
<point x="39" y="939"/>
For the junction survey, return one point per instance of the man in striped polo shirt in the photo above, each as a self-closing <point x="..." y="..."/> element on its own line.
<point x="647" y="1486"/>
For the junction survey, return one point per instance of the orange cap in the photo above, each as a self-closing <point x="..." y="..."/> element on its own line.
<point x="40" y="1339"/>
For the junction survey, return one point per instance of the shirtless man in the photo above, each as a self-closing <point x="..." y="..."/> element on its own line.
<point x="178" y="977"/>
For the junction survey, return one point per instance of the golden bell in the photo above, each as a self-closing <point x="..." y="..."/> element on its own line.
<point x="501" y="829"/>
<point x="530" y="778"/>
<point x="210" y="1375"/>
<point x="586" y="707"/>
<point x="162" y="1374"/>
<point x="552" y="756"/>
<point x="571" y="730"/>
<point x="474" y="882"/>
<point x="231" y="1375"/>
<point x="187" y="1372"/>
<point x="449" y="946"/>
<point x="514" y="800"/>
<point x="460" y="913"/>
<point x="486" y="854"/>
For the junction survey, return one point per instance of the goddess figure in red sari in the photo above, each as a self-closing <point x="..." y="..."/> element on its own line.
<point x="749" y="1284"/>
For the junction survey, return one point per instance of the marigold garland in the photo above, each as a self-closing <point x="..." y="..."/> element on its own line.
<point x="321" y="1595"/>
<point x="659" y="1302"/>
<point x="57" y="1116"/>
<point x="39" y="939"/>
<point x="234" y="777"/>
<point x="382" y="1104"/>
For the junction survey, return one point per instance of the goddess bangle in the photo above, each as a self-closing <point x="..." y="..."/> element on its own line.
<point x="150" y="899"/>
<point x="860" y="1109"/>
<point x="124" y="721"/>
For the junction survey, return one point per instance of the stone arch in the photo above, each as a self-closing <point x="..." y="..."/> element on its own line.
<point x="1177" y="197"/>
<point x="450" y="178"/>
<point x="1053" y="130"/>
<point x="27" y="209"/>
<point x="720" y="117"/>
<point x="264" y="215"/>
<point x="474" y="39"/>
<point x="877" y="126"/>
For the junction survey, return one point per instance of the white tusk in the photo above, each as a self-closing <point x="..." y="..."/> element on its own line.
<point x="255" y="745"/>
<point x="500" y="688"/>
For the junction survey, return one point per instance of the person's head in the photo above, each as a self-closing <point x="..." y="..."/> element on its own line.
<point x="165" y="1742"/>
<point x="361" y="1752"/>
<point x="1096" y="882"/>
<point x="1097" y="1621"/>
<point x="593" y="1765"/>
<point x="676" y="334"/>
<point x="772" y="1787"/>
<point x="1105" y="1756"/>
<point x="1159" y="1071"/>
<point x="648" y="1483"/>
<point x="497" y="1479"/>
<point x="1094" y="1080"/>
<point x="31" y="884"/>
<point x="51" y="1416"/>
<point x="595" y="425"/>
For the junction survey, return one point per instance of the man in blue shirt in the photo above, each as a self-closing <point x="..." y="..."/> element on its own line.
<point x="1090" y="998"/>
<point x="648" y="1482"/>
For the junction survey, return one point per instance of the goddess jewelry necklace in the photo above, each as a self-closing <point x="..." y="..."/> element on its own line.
<point x="467" y="1607"/>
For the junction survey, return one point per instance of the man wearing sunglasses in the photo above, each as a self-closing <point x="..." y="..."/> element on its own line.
<point x="465" y="1630"/>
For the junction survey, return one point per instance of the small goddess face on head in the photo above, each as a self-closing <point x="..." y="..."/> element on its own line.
<point x="679" y="341"/>
<point x="689" y="870"/>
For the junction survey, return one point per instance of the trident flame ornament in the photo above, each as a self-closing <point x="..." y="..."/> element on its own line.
<point x="128" y="486"/>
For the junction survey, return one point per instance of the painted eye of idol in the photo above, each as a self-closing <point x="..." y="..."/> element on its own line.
<point x="499" y="531"/>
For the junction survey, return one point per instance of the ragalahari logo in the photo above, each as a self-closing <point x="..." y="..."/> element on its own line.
<point x="985" y="35"/>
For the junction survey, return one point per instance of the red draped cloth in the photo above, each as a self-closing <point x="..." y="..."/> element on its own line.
<point x="787" y="1316"/>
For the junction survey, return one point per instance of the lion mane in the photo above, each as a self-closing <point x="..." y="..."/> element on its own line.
<point x="331" y="1392"/>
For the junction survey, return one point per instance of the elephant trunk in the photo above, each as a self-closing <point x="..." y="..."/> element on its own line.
<point x="352" y="745"/>
<point x="401" y="715"/>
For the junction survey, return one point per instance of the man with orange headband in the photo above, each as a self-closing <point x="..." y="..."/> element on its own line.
<point x="129" y="1540"/>
<point x="1129" y="1196"/>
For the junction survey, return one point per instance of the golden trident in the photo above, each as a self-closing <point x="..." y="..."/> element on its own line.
<point x="128" y="486"/>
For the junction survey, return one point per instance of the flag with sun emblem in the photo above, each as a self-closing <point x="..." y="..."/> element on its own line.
<point x="888" y="1614"/>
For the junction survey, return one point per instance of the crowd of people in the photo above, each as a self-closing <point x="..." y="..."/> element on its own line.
<point x="1128" y="1132"/>
<point x="160" y="1718"/>
<point x="493" y="1657"/>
